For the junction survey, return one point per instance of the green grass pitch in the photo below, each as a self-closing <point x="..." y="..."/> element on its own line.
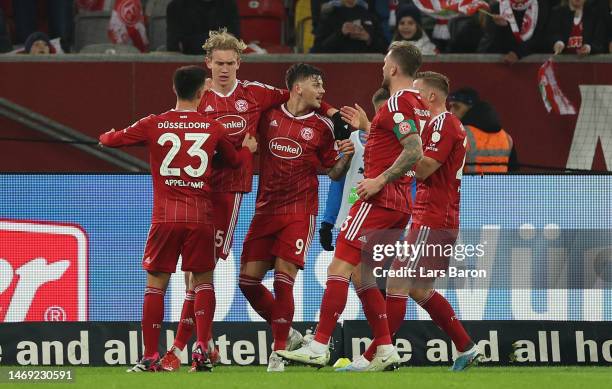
<point x="305" y="377"/>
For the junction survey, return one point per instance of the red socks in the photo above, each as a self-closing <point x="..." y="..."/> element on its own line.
<point x="375" y="311"/>
<point x="443" y="315"/>
<point x="152" y="317"/>
<point x="204" y="309"/>
<point x="260" y="298"/>
<point x="396" y="311"/>
<point x="282" y="312"/>
<point x="332" y="306"/>
<point x="187" y="322"/>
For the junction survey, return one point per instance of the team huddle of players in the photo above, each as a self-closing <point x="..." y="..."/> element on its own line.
<point x="202" y="163"/>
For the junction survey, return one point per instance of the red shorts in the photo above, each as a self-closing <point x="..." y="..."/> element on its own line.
<point x="226" y="206"/>
<point x="432" y="248"/>
<point x="193" y="241"/>
<point x="283" y="236"/>
<point x="364" y="217"/>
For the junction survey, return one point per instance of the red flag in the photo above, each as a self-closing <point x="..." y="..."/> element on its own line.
<point x="444" y="9"/>
<point x="127" y="24"/>
<point x="552" y="96"/>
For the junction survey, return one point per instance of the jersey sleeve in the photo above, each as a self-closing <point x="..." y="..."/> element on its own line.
<point x="266" y="95"/>
<point x="334" y="200"/>
<point x="440" y="143"/>
<point x="327" y="152"/>
<point x="400" y="118"/>
<point x="136" y="133"/>
<point x="230" y="155"/>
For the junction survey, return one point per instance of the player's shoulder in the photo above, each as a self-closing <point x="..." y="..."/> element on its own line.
<point x="254" y="85"/>
<point x="402" y="99"/>
<point x="324" y="122"/>
<point x="447" y="122"/>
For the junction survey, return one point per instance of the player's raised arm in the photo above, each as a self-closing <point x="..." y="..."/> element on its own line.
<point x="136" y="133"/>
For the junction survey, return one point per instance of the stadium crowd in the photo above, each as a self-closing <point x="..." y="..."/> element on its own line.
<point x="514" y="28"/>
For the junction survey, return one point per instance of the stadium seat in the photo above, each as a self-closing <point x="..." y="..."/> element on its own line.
<point x="109" y="48"/>
<point x="90" y="28"/>
<point x="262" y="21"/>
<point x="157" y="32"/>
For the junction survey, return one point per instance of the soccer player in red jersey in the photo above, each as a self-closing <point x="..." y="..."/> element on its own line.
<point x="393" y="147"/>
<point x="181" y="145"/>
<point x="238" y="105"/>
<point x="435" y="220"/>
<point x="297" y="141"/>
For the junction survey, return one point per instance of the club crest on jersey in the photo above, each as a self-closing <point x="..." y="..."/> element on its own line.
<point x="404" y="128"/>
<point x="435" y="137"/>
<point x="285" y="148"/>
<point x="241" y="105"/>
<point x="234" y="124"/>
<point x="307" y="133"/>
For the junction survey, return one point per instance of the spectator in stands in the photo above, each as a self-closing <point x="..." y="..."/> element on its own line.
<point x="465" y="33"/>
<point x="576" y="29"/>
<point x="38" y="43"/>
<point x="5" y="41"/>
<point x="409" y="28"/>
<point x="517" y="29"/>
<point x="490" y="148"/>
<point x="190" y="21"/>
<point x="349" y="28"/>
<point x="59" y="15"/>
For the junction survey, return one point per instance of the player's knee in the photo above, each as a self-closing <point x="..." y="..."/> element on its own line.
<point x="339" y="267"/>
<point x="286" y="267"/>
<point x="202" y="278"/>
<point x="419" y="294"/>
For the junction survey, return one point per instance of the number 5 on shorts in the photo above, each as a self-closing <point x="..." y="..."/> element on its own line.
<point x="219" y="238"/>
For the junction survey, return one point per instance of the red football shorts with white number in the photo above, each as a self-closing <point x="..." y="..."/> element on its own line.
<point x="225" y="215"/>
<point x="193" y="241"/>
<point x="283" y="236"/>
<point x="365" y="218"/>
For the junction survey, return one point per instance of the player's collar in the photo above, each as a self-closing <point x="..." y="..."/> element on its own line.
<point x="408" y="90"/>
<point x="183" y="110"/>
<point x="437" y="116"/>
<point x="296" y="117"/>
<point x="228" y="93"/>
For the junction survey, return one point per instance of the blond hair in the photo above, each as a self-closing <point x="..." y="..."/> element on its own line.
<point x="435" y="80"/>
<point x="223" y="40"/>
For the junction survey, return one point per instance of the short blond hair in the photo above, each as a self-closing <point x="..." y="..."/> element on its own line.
<point x="435" y="80"/>
<point x="223" y="40"/>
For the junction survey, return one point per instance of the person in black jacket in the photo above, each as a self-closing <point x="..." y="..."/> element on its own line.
<point x="467" y="106"/>
<point x="190" y="21"/>
<point x="499" y="36"/>
<point x="349" y="28"/>
<point x="576" y="29"/>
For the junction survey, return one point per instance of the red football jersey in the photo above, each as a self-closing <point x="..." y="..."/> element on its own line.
<point x="181" y="146"/>
<point x="291" y="149"/>
<point x="403" y="115"/>
<point x="437" y="198"/>
<point x="239" y="111"/>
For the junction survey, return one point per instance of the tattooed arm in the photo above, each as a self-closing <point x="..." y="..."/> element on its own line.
<point x="410" y="155"/>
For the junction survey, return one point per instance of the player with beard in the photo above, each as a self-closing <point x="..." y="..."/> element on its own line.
<point x="393" y="147"/>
